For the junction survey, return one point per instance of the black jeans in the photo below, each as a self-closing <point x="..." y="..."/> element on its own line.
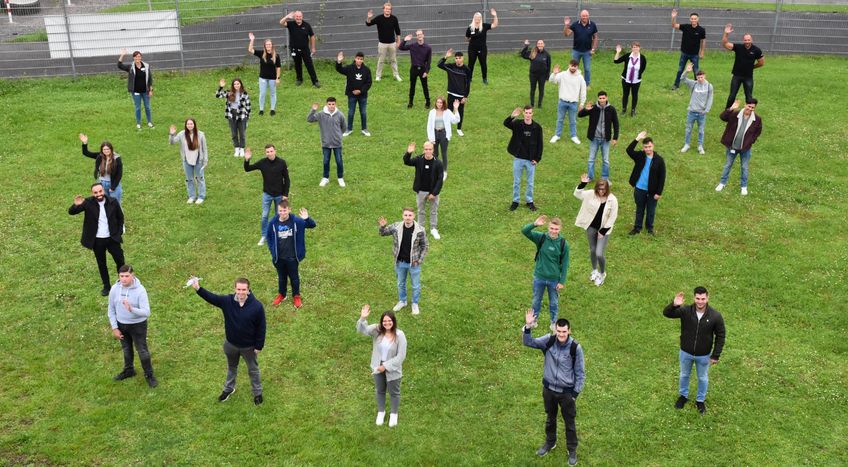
<point x="735" y="82"/>
<point x="135" y="334"/>
<point x="441" y="142"/>
<point x="540" y="79"/>
<point x="626" y="88"/>
<point x="473" y="54"/>
<point x="564" y="401"/>
<point x="101" y="245"/>
<point x="416" y="72"/>
<point x="287" y="270"/>
<point x="644" y="202"/>
<point x="451" y="99"/>
<point x="303" y="57"/>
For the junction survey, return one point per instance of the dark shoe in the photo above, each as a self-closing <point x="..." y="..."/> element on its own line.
<point x="409" y="106"/>
<point x="273" y="113"/>
<point x="485" y="81"/>
<point x="124" y="375"/>
<point x="633" y="112"/>
<point x="427" y="105"/>
<point x="650" y="231"/>
<point x="316" y="85"/>
<point x="531" y="206"/>
<point x="674" y="88"/>
<point x="701" y="407"/>
<point x="258" y="399"/>
<point x="546" y="448"/>
<point x="634" y="232"/>
<point x="105" y="291"/>
<point x="151" y="381"/>
<point x="298" y="82"/>
<point x="681" y="402"/>
<point x="624" y="111"/>
<point x="572" y="458"/>
<point x="261" y="112"/>
<point x="225" y="395"/>
<point x="513" y="206"/>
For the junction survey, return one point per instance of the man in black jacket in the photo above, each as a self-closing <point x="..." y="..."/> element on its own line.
<point x="459" y="84"/>
<point x="526" y="146"/>
<point x="427" y="184"/>
<point x="275" y="182"/>
<point x="102" y="228"/>
<point x="603" y="127"/>
<point x="647" y="179"/>
<point x="356" y="89"/>
<point x="700" y="325"/>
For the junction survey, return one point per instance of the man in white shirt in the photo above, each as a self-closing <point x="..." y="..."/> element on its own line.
<point x="572" y="96"/>
<point x="102" y="228"/>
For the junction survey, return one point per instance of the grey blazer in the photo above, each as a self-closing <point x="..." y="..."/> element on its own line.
<point x="397" y="352"/>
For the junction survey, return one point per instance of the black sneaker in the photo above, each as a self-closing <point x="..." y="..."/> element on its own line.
<point x="674" y="88"/>
<point x="701" y="407"/>
<point x="632" y="112"/>
<point x="124" y="375"/>
<point x="681" y="402"/>
<point x="298" y="82"/>
<point x="225" y="395"/>
<point x="485" y="81"/>
<point x="513" y="206"/>
<point x="409" y="106"/>
<point x="273" y="112"/>
<point x="546" y="448"/>
<point x="650" y="231"/>
<point x="572" y="458"/>
<point x="624" y="112"/>
<point x="316" y="85"/>
<point x="151" y="381"/>
<point x="261" y="112"/>
<point x="634" y="232"/>
<point x="427" y="105"/>
<point x="257" y="399"/>
<point x="104" y="291"/>
<point x="531" y="206"/>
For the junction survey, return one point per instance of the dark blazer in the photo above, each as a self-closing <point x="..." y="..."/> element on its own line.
<point x="751" y="133"/>
<point x="114" y="215"/>
<point x="656" y="177"/>
<point x="116" y="170"/>
<point x="643" y="63"/>
<point x="524" y="148"/>
<point x="610" y="121"/>
<point x="437" y="172"/>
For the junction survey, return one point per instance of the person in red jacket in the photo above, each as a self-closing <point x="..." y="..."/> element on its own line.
<point x="742" y="130"/>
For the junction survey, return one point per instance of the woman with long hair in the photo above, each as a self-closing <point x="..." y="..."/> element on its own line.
<point x="195" y="157"/>
<point x="269" y="72"/>
<point x="439" y="128"/>
<point x="475" y="35"/>
<point x="237" y="111"/>
<point x="108" y="168"/>
<point x="597" y="216"/>
<point x="540" y="68"/>
<point x="388" y="352"/>
<point x="631" y="76"/>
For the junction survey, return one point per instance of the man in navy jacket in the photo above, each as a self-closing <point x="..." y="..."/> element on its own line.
<point x="285" y="237"/>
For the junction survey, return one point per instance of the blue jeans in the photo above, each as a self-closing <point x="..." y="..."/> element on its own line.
<point x="351" y="105"/>
<point x="192" y="173"/>
<point x="264" y="85"/>
<point x="562" y="108"/>
<point x="702" y="365"/>
<point x="518" y="166"/>
<point x="337" y="152"/>
<point x="691" y="118"/>
<point x="117" y="194"/>
<point x="744" y="158"/>
<point x="644" y="201"/>
<point x="266" y="208"/>
<point x="402" y="268"/>
<point x="539" y="286"/>
<point x="138" y="97"/>
<point x="287" y="269"/>
<point x="682" y="65"/>
<point x="587" y="63"/>
<point x="603" y="145"/>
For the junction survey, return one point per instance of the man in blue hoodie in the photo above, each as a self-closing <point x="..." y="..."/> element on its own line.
<point x="128" y="313"/>
<point x="285" y="237"/>
<point x="244" y="325"/>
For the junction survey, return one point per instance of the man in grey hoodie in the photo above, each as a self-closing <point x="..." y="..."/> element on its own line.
<point x="128" y="313"/>
<point x="699" y="104"/>
<point x="332" y="124"/>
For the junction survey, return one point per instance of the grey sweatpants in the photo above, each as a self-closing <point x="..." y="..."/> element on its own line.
<point x="233" y="353"/>
<point x="422" y="209"/>
<point x="381" y="385"/>
<point x="597" y="249"/>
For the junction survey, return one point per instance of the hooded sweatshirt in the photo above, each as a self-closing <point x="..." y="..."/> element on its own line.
<point x="572" y="86"/>
<point x="136" y="295"/>
<point x="332" y="126"/>
<point x="702" y="95"/>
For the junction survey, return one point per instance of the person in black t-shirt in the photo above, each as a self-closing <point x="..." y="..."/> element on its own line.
<point x="475" y="35"/>
<point x="388" y="36"/>
<point x="691" y="45"/>
<point x="269" y="72"/>
<point x="301" y="46"/>
<point x="748" y="57"/>
<point x="275" y="182"/>
<point x="409" y="247"/>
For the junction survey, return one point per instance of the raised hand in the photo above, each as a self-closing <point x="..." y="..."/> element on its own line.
<point x="642" y="134"/>
<point x="370" y="14"/>
<point x="449" y="53"/>
<point x="365" y="311"/>
<point x="251" y="36"/>
<point x="516" y="112"/>
<point x="618" y="48"/>
<point x="123" y="51"/>
<point x="493" y="12"/>
<point x="589" y="105"/>
<point x="556" y="69"/>
<point x="584" y="178"/>
<point x="222" y="82"/>
<point x="382" y="221"/>
<point x="314" y="106"/>
<point x="340" y="56"/>
<point x="735" y="105"/>
<point x="567" y="21"/>
<point x="678" y="299"/>
<point x="688" y="67"/>
<point x="529" y="317"/>
<point x="83" y="138"/>
<point x="408" y="37"/>
<point x="728" y="28"/>
<point x="411" y="148"/>
<point x="540" y="220"/>
<point x="526" y="42"/>
<point x="172" y="130"/>
<point x="247" y="154"/>
<point x="78" y="200"/>
<point x="673" y="13"/>
<point x="304" y="214"/>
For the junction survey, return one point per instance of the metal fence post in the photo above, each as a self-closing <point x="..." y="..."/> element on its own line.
<point x="676" y="7"/>
<point x="70" y="44"/>
<point x="778" y="6"/>
<point x="180" y="35"/>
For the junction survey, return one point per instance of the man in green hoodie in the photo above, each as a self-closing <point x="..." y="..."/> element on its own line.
<point x="551" y="265"/>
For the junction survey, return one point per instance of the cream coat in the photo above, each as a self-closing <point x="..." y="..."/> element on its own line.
<point x="590" y="206"/>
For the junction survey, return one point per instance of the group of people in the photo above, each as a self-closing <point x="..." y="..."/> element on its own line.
<point x="285" y="233"/>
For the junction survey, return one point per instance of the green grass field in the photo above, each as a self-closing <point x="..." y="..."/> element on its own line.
<point x="774" y="262"/>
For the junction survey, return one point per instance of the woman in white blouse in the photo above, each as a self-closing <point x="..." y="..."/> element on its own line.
<point x="194" y="155"/>
<point x="439" y="128"/>
<point x="387" y="355"/>
<point x="597" y="216"/>
<point x="631" y="76"/>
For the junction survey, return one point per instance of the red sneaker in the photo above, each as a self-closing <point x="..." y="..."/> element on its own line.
<point x="297" y="301"/>
<point x="280" y="298"/>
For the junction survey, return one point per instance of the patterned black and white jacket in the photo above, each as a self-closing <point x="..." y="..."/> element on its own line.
<point x="243" y="112"/>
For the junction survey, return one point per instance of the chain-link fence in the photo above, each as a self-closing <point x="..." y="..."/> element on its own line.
<point x="62" y="37"/>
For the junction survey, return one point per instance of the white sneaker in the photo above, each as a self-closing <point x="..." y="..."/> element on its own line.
<point x="190" y="201"/>
<point x="575" y="140"/>
<point x="744" y="191"/>
<point x="342" y="183"/>
<point x="399" y="306"/>
<point x="720" y="187"/>
<point x="392" y="420"/>
<point x="199" y="201"/>
<point x="381" y="417"/>
<point x="236" y="152"/>
<point x="444" y="176"/>
<point x="701" y="150"/>
<point x="377" y="79"/>
<point x="435" y="234"/>
<point x="600" y="279"/>
<point x="397" y="77"/>
<point x="366" y="132"/>
<point x="149" y="125"/>
<point x="415" y="309"/>
<point x="347" y="133"/>
<point x="138" y="126"/>
<point x="459" y="132"/>
<point x="554" y="139"/>
<point x="593" y="275"/>
<point x="324" y="182"/>
<point x="684" y="148"/>
<point x="261" y="241"/>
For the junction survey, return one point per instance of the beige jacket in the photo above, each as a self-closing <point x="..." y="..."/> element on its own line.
<point x="590" y="206"/>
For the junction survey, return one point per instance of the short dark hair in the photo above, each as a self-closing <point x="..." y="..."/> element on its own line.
<point x="136" y="53"/>
<point x="528" y="107"/>
<point x="574" y="62"/>
<point x="458" y="54"/>
<point x="283" y="204"/>
<point x="751" y="101"/>
<point x="331" y="99"/>
<point x="647" y="140"/>
<point x="700" y="290"/>
<point x="95" y="184"/>
<point x="563" y="323"/>
<point x="125" y="268"/>
<point x="602" y="93"/>
<point x="360" y="54"/>
<point x="694" y="14"/>
<point x="700" y="72"/>
<point x="269" y="146"/>
<point x="243" y="280"/>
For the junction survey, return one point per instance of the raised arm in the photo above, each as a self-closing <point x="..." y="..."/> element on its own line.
<point x="250" y="44"/>
<point x="495" y="18"/>
<point x="566" y="30"/>
<point x="212" y="299"/>
<point x="674" y="24"/>
<point x="728" y="28"/>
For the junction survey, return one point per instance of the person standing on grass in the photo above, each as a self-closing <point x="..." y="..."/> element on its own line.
<point x="475" y="35"/>
<point x="244" y="326"/>
<point x="421" y="55"/>
<point x="631" y="76"/>
<point x="237" y="112"/>
<point x="702" y="337"/>
<point x="269" y="72"/>
<point x="525" y="146"/>
<point x="331" y="123"/>
<point x="572" y="96"/>
<point x="647" y="179"/>
<point x="409" y="245"/>
<point x="585" y="41"/>
<point x="285" y="238"/>
<point x="108" y="168"/>
<point x="459" y="84"/>
<point x="388" y="351"/>
<point x="692" y="44"/>
<point x="562" y="382"/>
<point x="439" y="129"/>
<point x="102" y="228"/>
<point x="301" y="46"/>
<point x="551" y="270"/>
<point x="195" y="157"/>
<point x="356" y="89"/>
<point x="699" y="104"/>
<point x="139" y="85"/>
<point x="427" y="184"/>
<point x="747" y="58"/>
<point x="540" y="68"/>
<point x="603" y="129"/>
<point x="128" y="313"/>
<point x="388" y="35"/>
<point x="597" y="215"/>
<point x="275" y="182"/>
<point x="741" y="132"/>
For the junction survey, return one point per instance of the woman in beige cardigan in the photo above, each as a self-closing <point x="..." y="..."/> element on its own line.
<point x="597" y="216"/>
<point x="387" y="355"/>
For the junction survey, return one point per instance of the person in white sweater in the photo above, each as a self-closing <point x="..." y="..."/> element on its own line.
<point x="597" y="216"/>
<point x="128" y="312"/>
<point x="388" y="351"/>
<point x="572" y="96"/>
<point x="195" y="157"/>
<point x="439" y="129"/>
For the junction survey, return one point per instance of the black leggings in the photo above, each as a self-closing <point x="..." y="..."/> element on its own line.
<point x="441" y="142"/>
<point x="540" y="79"/>
<point x="625" y="90"/>
<point x="473" y="55"/>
